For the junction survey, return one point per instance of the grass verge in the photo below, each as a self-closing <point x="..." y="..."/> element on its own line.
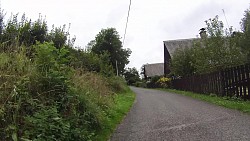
<point x="123" y="103"/>
<point x="232" y="103"/>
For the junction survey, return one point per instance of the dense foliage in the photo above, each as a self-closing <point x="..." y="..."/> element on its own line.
<point x="218" y="48"/>
<point x="131" y="76"/>
<point x="48" y="89"/>
<point x="164" y="82"/>
<point x="108" y="41"/>
<point x="245" y="35"/>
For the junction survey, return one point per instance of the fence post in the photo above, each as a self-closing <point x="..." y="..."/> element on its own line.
<point x="222" y="82"/>
<point x="243" y="81"/>
<point x="247" y="80"/>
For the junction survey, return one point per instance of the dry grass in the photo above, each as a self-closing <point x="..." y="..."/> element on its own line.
<point x="95" y="86"/>
<point x="13" y="67"/>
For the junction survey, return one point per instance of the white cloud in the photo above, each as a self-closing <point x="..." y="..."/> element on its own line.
<point x="150" y="22"/>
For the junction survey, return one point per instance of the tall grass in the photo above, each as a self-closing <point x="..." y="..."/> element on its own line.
<point x="41" y="98"/>
<point x="45" y="91"/>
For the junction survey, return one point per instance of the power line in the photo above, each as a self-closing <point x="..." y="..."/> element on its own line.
<point x="225" y="17"/>
<point x="126" y="23"/>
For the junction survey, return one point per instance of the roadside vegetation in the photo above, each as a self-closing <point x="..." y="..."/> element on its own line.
<point x="132" y="77"/>
<point x="123" y="103"/>
<point x="50" y="90"/>
<point x="217" y="49"/>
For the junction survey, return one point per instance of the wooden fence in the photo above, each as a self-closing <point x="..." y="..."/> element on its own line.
<point x="228" y="82"/>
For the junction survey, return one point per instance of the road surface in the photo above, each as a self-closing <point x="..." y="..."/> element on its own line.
<point x="158" y="116"/>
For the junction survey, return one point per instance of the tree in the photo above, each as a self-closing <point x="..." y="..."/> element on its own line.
<point x="245" y="37"/>
<point x="217" y="49"/>
<point x="39" y="31"/>
<point x="144" y="76"/>
<point x="131" y="76"/>
<point x="24" y="32"/>
<point x="58" y="36"/>
<point x="90" y="45"/>
<point x="108" y="41"/>
<point x="1" y="21"/>
<point x="245" y="21"/>
<point x="182" y="62"/>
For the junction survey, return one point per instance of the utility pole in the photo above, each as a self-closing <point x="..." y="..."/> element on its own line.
<point x="116" y="67"/>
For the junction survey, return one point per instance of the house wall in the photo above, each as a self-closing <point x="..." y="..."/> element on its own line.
<point x="167" y="59"/>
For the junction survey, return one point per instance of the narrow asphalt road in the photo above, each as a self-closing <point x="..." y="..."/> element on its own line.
<point x="158" y="116"/>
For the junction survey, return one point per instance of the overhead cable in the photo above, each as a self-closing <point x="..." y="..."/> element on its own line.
<point x="126" y="23"/>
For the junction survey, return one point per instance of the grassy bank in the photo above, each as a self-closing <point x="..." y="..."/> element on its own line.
<point x="123" y="103"/>
<point x="47" y="99"/>
<point x="51" y="90"/>
<point x="232" y="103"/>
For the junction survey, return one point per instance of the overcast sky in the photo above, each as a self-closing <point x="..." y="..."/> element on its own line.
<point x="150" y="23"/>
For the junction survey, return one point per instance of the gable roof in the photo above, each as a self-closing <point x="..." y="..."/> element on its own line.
<point x="172" y="45"/>
<point x="154" y="69"/>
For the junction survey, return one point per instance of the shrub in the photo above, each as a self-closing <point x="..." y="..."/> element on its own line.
<point x="95" y="87"/>
<point x="44" y="104"/>
<point x="117" y="84"/>
<point x="141" y="84"/>
<point x="164" y="82"/>
<point x="44" y="92"/>
<point x="152" y="83"/>
<point x="47" y="124"/>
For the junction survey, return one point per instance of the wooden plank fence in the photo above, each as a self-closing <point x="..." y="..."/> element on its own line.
<point x="230" y="82"/>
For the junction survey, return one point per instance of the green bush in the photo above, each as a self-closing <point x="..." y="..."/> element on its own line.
<point x="152" y="83"/>
<point x="50" y="101"/>
<point x="141" y="84"/>
<point x="49" y="91"/>
<point x="47" y="124"/>
<point x="118" y="84"/>
<point x="164" y="82"/>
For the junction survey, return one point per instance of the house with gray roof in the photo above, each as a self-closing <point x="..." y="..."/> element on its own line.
<point x="170" y="47"/>
<point x="151" y="70"/>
